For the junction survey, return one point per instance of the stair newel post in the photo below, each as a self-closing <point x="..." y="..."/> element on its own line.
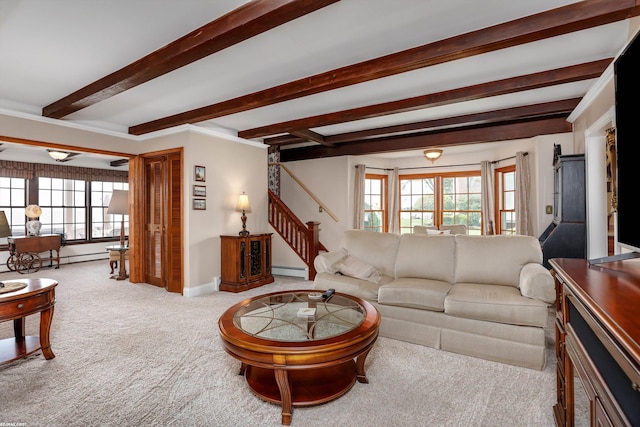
<point x="313" y="246"/>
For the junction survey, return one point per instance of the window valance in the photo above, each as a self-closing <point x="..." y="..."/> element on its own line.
<point x="11" y="169"/>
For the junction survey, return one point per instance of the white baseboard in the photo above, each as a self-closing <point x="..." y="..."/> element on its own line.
<point x="290" y="271"/>
<point x="204" y="289"/>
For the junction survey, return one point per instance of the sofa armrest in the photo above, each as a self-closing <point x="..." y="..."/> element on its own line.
<point x="328" y="262"/>
<point x="537" y="282"/>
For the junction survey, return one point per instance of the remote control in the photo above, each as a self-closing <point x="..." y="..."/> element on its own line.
<point x="327" y="294"/>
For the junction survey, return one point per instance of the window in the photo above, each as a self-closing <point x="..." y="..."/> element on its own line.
<point x="432" y="200"/>
<point x="75" y="208"/>
<point x="506" y="200"/>
<point x="63" y="207"/>
<point x="375" y="203"/>
<point x="12" y="202"/>
<point x="461" y="202"/>
<point x="417" y="202"/>
<point x="103" y="224"/>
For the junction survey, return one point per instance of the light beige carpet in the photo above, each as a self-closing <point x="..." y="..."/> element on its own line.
<point x="135" y="355"/>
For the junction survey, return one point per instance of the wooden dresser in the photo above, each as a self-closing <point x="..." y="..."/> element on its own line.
<point x="597" y="343"/>
<point x="246" y="262"/>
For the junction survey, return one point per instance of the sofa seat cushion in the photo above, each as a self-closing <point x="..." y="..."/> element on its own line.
<point x="494" y="303"/>
<point x="350" y="285"/>
<point x="424" y="294"/>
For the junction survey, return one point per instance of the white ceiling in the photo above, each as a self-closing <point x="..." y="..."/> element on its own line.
<point x="49" y="49"/>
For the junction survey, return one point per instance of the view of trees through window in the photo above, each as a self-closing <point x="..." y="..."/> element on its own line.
<point x="506" y="183"/>
<point x="375" y="212"/>
<point x="440" y="199"/>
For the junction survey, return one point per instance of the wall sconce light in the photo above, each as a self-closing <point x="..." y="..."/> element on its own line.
<point x="244" y="207"/>
<point x="58" y="156"/>
<point x="33" y="212"/>
<point x="433" y="154"/>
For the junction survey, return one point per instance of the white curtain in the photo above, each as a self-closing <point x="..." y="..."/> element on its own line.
<point x="487" y="204"/>
<point x="358" y="194"/>
<point x="523" y="194"/>
<point x="394" y="201"/>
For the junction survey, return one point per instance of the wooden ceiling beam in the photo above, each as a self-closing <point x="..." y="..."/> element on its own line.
<point x="558" y="76"/>
<point x="249" y="20"/>
<point x="440" y="139"/>
<point x="310" y="135"/>
<point x="565" y="106"/>
<point x="545" y="109"/>
<point x="284" y="140"/>
<point x="555" y="22"/>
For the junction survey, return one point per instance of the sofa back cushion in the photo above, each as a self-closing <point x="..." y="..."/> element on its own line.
<point x="495" y="260"/>
<point x="377" y="249"/>
<point x="427" y="257"/>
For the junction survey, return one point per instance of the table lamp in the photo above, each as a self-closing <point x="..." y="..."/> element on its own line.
<point x="119" y="205"/>
<point x="244" y="207"/>
<point x="5" y="230"/>
<point x="33" y="212"/>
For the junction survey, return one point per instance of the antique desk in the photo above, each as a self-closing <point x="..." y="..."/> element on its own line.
<point x="24" y="252"/>
<point x="38" y="296"/>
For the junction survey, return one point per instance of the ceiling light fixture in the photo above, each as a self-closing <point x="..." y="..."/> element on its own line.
<point x="433" y="154"/>
<point x="58" y="155"/>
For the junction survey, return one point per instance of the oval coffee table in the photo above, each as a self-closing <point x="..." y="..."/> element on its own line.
<point x="295" y="359"/>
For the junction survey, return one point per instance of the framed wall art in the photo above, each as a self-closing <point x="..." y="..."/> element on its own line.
<point x="199" y="173"/>
<point x="200" y="191"/>
<point x="199" y="204"/>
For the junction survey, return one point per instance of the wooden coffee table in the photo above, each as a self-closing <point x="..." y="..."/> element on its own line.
<point x="293" y="359"/>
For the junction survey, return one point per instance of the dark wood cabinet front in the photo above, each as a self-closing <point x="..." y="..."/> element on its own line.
<point x="246" y="262"/>
<point x="597" y="336"/>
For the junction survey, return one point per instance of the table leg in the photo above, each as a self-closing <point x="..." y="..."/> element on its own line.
<point x="282" y="378"/>
<point x="122" y="271"/>
<point x="46" y="316"/>
<point x="18" y="328"/>
<point x="243" y="369"/>
<point x="361" y="376"/>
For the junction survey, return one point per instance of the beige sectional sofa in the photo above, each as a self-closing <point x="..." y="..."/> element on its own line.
<point x="483" y="296"/>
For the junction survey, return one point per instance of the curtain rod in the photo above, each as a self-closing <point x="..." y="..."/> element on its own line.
<point x="448" y="166"/>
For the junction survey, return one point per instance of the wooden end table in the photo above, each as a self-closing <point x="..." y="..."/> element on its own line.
<point x="122" y="268"/>
<point x="37" y="297"/>
<point x="300" y="360"/>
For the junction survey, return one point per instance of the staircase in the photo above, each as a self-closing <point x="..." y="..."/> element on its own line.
<point x="301" y="237"/>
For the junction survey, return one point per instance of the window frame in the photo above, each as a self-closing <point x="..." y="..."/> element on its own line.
<point x="384" y="202"/>
<point x="501" y="192"/>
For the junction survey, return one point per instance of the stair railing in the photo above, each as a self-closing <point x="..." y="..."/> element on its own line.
<point x="302" y="238"/>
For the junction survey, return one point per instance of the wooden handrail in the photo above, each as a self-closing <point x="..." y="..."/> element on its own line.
<point x="309" y="192"/>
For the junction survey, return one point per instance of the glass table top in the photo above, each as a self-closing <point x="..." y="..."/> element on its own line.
<point x="294" y="316"/>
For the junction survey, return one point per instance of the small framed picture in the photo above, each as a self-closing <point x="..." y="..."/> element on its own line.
<point x="199" y="204"/>
<point x="200" y="191"/>
<point x="200" y="173"/>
